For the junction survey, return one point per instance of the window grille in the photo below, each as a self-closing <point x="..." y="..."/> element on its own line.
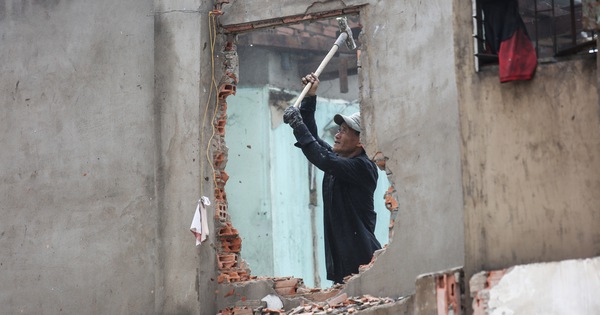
<point x="554" y="26"/>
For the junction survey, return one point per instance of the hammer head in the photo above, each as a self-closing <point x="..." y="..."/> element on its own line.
<point x="344" y="28"/>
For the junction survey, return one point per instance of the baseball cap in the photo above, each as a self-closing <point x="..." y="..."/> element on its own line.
<point x="353" y="121"/>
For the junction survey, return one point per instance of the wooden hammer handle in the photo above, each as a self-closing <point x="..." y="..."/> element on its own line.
<point x="330" y="54"/>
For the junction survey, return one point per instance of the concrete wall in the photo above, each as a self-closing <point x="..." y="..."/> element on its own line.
<point x="409" y="105"/>
<point x="79" y="209"/>
<point x="185" y="101"/>
<point x="103" y="155"/>
<point x="531" y="172"/>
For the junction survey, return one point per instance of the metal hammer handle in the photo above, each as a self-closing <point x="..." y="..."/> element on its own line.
<point x="341" y="39"/>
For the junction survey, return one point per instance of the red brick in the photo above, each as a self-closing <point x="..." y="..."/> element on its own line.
<point x="228" y="231"/>
<point x="233" y="245"/>
<point x="226" y="261"/>
<point x="226" y="90"/>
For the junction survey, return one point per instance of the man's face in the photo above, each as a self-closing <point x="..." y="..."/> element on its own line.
<point x="347" y="142"/>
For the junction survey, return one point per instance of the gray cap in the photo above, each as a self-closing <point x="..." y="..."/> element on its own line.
<point x="353" y="121"/>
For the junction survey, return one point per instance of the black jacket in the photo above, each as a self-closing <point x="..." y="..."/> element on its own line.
<point x="348" y="212"/>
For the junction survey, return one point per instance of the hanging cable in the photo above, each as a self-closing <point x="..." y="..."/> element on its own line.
<point x="213" y="86"/>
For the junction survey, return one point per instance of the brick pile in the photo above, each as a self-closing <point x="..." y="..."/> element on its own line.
<point x="340" y="304"/>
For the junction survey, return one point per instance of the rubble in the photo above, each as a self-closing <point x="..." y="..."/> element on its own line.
<point x="340" y="304"/>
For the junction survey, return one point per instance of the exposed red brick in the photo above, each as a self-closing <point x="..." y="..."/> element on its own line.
<point x="494" y="277"/>
<point x="390" y="202"/>
<point x="226" y="261"/>
<point x="448" y="294"/>
<point x="232" y="76"/>
<point x="219" y="160"/>
<point x="220" y="126"/>
<point x="221" y="212"/>
<point x="287" y="286"/>
<point x="226" y="90"/>
<point x="220" y="194"/>
<point x="229" y="46"/>
<point x="221" y="177"/>
<point x="228" y="231"/>
<point x="233" y="275"/>
<point x="380" y="160"/>
<point x="233" y="245"/>
<point x="479" y="286"/>
<point x="226" y="311"/>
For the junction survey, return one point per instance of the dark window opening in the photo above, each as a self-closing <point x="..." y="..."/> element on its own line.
<point x="555" y="28"/>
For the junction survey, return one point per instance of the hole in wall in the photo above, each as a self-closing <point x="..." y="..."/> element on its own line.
<point x="273" y="193"/>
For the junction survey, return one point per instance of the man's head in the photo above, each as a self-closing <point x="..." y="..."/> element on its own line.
<point x="347" y="139"/>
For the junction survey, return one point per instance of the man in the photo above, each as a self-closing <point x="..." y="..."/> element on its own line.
<point x="348" y="185"/>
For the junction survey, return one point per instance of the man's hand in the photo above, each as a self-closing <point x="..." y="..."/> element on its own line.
<point x="291" y="116"/>
<point x="312" y="78"/>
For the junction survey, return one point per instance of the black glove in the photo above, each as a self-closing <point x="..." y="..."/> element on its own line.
<point x="292" y="116"/>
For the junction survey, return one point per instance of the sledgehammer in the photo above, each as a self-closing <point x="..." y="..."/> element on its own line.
<point x="345" y="36"/>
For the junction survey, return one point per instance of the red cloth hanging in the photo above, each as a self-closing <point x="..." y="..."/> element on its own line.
<point x="507" y="37"/>
<point x="517" y="58"/>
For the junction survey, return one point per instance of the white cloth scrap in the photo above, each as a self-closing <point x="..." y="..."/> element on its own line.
<point x="200" y="222"/>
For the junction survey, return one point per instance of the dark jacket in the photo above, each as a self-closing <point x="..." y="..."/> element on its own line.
<point x="348" y="212"/>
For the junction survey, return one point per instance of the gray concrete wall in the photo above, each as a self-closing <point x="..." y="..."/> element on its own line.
<point x="409" y="102"/>
<point x="409" y="105"/>
<point x="104" y="152"/>
<point x="104" y="142"/>
<point x="185" y="101"/>
<point x="79" y="210"/>
<point x="531" y="172"/>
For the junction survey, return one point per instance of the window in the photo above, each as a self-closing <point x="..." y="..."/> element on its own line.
<point x="554" y="26"/>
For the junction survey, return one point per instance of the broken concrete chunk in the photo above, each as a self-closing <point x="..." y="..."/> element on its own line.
<point x="273" y="302"/>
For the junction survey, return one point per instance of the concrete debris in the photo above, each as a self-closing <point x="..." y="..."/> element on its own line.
<point x="273" y="302"/>
<point x="340" y="304"/>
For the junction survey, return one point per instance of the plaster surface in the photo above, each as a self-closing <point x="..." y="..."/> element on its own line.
<point x="409" y="105"/>
<point x="531" y="172"/>
<point x="565" y="287"/>
<point x="184" y="103"/>
<point x="78" y="233"/>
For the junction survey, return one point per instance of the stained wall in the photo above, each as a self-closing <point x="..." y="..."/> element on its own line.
<point x="531" y="172"/>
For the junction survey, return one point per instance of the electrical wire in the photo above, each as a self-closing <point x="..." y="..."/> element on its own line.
<point x="213" y="86"/>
